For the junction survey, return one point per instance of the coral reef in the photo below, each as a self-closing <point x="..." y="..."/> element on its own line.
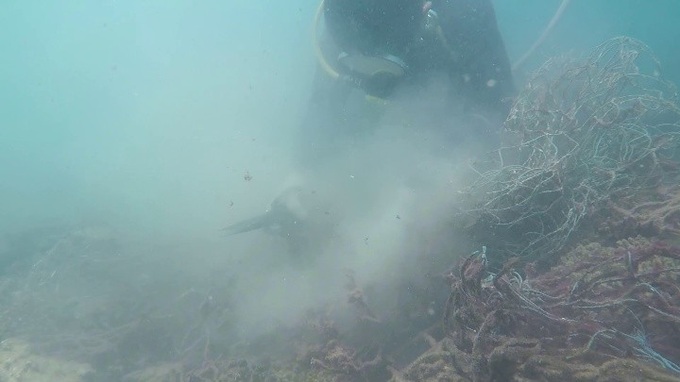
<point x="657" y="216"/>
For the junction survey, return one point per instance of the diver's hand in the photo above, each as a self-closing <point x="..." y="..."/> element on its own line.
<point x="298" y="216"/>
<point x="288" y="212"/>
<point x="286" y="216"/>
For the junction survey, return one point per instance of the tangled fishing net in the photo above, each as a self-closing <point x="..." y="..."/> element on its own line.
<point x="589" y="132"/>
<point x="597" y="146"/>
<point x="604" y="313"/>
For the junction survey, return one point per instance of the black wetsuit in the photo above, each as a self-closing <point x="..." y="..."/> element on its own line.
<point x="471" y="57"/>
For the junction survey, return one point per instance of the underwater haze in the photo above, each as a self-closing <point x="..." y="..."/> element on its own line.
<point x="146" y="112"/>
<point x="586" y="24"/>
<point x="151" y="112"/>
<point x="155" y="124"/>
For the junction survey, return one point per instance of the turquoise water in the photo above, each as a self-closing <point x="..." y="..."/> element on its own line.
<point x="132" y="109"/>
<point x="137" y="110"/>
<point x="585" y="24"/>
<point x="168" y="120"/>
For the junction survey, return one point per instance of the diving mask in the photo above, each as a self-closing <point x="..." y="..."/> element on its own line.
<point x="376" y="75"/>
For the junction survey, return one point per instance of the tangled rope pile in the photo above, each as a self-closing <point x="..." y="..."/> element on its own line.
<point x="599" y="304"/>
<point x="588" y="132"/>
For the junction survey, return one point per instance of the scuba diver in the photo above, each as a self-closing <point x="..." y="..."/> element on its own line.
<point x="379" y="52"/>
<point x="381" y="47"/>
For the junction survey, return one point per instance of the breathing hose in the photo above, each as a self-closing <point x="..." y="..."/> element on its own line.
<point x="320" y="57"/>
<point x="551" y="25"/>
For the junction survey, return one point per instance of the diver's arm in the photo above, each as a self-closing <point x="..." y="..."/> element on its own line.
<point x="323" y="119"/>
<point x="480" y="69"/>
